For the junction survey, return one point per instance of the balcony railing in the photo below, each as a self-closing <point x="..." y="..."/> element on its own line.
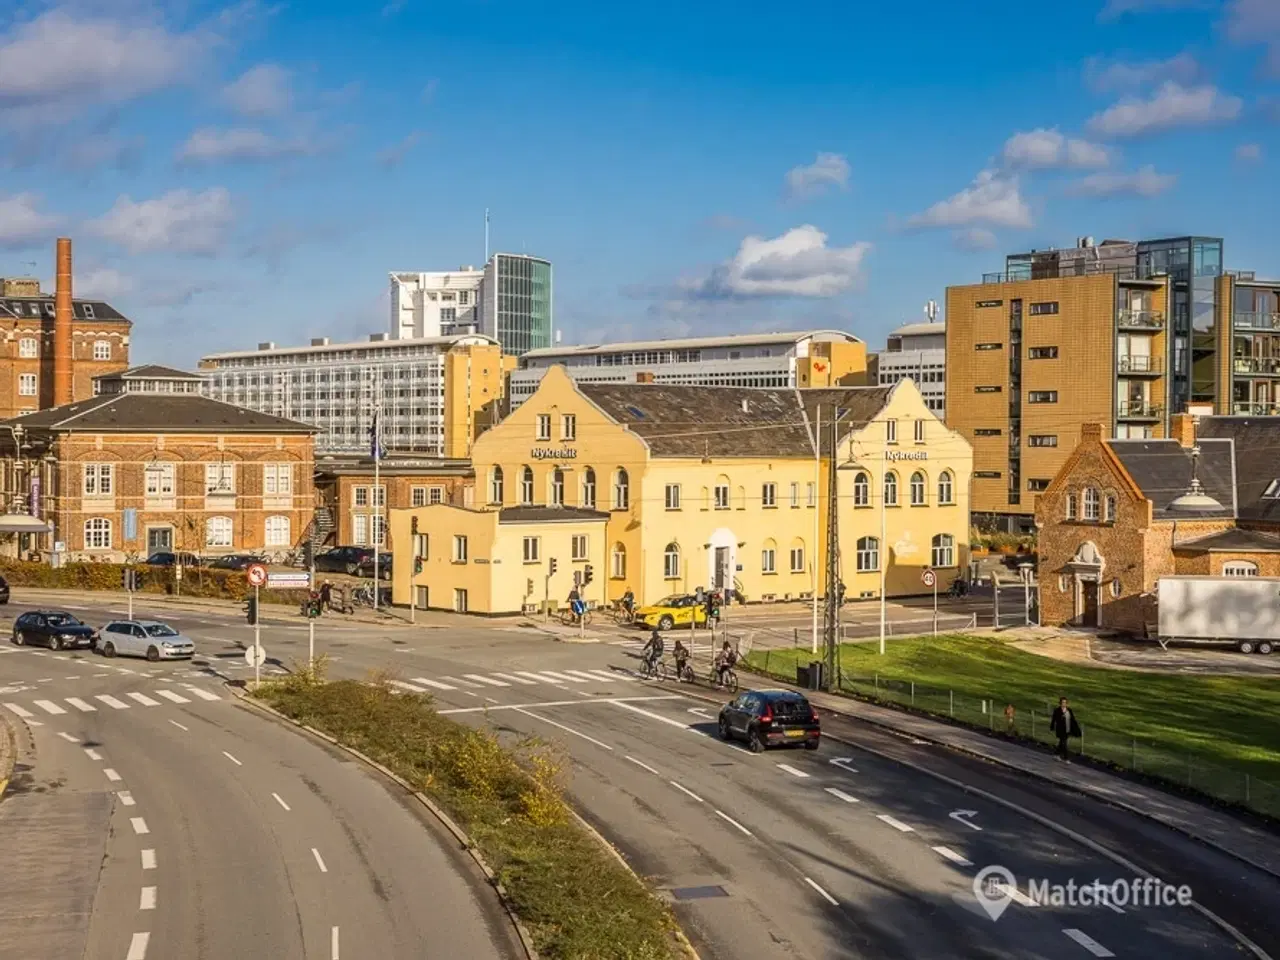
<point x="1256" y="409"/>
<point x="1138" y="410"/>
<point x="1138" y="364"/>
<point x="1257" y="320"/>
<point x="1141" y="319"/>
<point x="1266" y="366"/>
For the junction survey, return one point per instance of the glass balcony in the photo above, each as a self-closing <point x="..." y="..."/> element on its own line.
<point x="1138" y="410"/>
<point x="1257" y="320"/>
<point x="1262" y="366"/>
<point x="1139" y="365"/>
<point x="1141" y="319"/>
<point x="1256" y="409"/>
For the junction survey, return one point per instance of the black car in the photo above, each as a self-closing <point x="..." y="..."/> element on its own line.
<point x="344" y="560"/>
<point x="770" y="718"/>
<point x="234" y="561"/>
<point x="54" y="629"/>
<point x="384" y="566"/>
<point x="4" y="590"/>
<point x="167" y="559"/>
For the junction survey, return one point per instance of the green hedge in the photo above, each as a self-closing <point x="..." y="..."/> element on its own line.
<point x="196" y="581"/>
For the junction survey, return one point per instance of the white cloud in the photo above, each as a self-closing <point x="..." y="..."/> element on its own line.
<point x="975" y="238"/>
<point x="21" y="222"/>
<point x="103" y="150"/>
<point x="796" y="264"/>
<point x="179" y="221"/>
<point x="1172" y="105"/>
<point x="993" y="199"/>
<point x="1145" y="182"/>
<point x="262" y="91"/>
<point x="394" y="155"/>
<point x="829" y="170"/>
<point x="1251" y="22"/>
<point x="1249" y="153"/>
<point x="239" y="144"/>
<point x="1115" y="8"/>
<point x="1118" y="75"/>
<point x="103" y="282"/>
<point x="1044" y="149"/>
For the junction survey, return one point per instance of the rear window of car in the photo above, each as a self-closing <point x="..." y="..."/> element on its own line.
<point x="791" y="707"/>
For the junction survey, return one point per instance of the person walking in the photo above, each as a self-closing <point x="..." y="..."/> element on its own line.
<point x="1064" y="724"/>
<point x="326" y="596"/>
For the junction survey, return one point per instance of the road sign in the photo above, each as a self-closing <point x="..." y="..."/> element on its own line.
<point x="255" y="656"/>
<point x="256" y="574"/>
<point x="286" y="581"/>
<point x="928" y="577"/>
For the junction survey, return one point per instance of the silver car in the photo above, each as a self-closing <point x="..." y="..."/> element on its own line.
<point x="144" y="638"/>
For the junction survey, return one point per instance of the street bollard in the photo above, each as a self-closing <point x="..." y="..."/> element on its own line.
<point x="1133" y="749"/>
<point x="877" y="683"/>
<point x="913" y="693"/>
<point x="951" y="696"/>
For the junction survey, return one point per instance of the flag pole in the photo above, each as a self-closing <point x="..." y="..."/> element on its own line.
<point x="377" y="499"/>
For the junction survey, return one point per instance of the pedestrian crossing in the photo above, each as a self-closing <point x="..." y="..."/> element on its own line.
<point x="106" y="702"/>
<point x="513" y="679"/>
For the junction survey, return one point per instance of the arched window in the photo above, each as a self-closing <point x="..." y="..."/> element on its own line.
<point x="769" y="557"/>
<point x="621" y="490"/>
<point x="946" y="488"/>
<point x="862" y="489"/>
<point x="495" y="485"/>
<point x="944" y="550"/>
<point x="557" y="487"/>
<point x="618" y="562"/>
<point x="891" y="489"/>
<point x="218" y="532"/>
<point x="868" y="554"/>
<point x="797" y="556"/>
<point x="1090" y="503"/>
<point x="671" y="562"/>
<point x="277" y="532"/>
<point x="97" y="534"/>
<point x="526" y="486"/>
<point x="1109" y="507"/>
<point x="1240" y="568"/>
<point x="589" y="488"/>
<point x="721" y="492"/>
<point x="1071" y="506"/>
<point x="917" y="489"/>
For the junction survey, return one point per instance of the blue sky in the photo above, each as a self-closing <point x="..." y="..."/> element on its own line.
<point x="252" y="171"/>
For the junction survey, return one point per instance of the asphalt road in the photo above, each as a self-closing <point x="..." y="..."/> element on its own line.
<point x="850" y="851"/>
<point x="161" y="820"/>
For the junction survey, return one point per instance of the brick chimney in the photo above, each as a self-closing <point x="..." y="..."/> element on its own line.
<point x="1182" y="428"/>
<point x="644" y="376"/>
<point x="62" y="392"/>
<point x="1091" y="431"/>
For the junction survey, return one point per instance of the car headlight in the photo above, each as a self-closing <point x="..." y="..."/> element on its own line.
<point x="167" y="645"/>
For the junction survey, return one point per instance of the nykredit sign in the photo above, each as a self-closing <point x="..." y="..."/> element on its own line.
<point x="554" y="453"/>
<point x="893" y="456"/>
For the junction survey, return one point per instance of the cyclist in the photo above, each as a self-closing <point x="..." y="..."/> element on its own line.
<point x="725" y="661"/>
<point x="681" y="653"/>
<point x="577" y="604"/>
<point x="652" y="650"/>
<point x="629" y="604"/>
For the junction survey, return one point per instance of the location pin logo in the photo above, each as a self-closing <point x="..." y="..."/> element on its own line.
<point x="991" y="888"/>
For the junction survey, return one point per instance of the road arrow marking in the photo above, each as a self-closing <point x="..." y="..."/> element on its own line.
<point x="962" y="816"/>
<point x="844" y="763"/>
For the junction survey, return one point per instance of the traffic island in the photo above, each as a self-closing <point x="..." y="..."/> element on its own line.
<point x="572" y="894"/>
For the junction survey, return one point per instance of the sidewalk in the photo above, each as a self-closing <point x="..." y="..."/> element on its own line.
<point x="1254" y="846"/>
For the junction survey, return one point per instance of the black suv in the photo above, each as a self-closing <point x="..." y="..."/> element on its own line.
<point x="345" y="560"/>
<point x="167" y="559"/>
<point x="770" y="718"/>
<point x="4" y="590"/>
<point x="54" y="629"/>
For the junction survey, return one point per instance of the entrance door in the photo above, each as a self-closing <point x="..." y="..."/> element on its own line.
<point x="722" y="568"/>
<point x="1089" y="599"/>
<point x="159" y="540"/>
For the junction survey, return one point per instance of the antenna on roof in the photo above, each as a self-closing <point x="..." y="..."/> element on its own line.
<point x="931" y="310"/>
<point x="486" y="234"/>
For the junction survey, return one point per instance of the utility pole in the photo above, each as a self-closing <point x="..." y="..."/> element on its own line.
<point x="832" y="625"/>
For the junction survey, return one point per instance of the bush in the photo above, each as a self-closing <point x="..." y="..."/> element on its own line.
<point x="196" y="581"/>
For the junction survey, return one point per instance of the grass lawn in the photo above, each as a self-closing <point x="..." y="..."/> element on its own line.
<point x="1204" y="732"/>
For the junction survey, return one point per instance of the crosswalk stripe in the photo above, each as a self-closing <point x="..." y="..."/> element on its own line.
<point x="48" y="706"/>
<point x="433" y="683"/>
<point x="507" y="676"/>
<point x="19" y="711"/>
<point x="111" y="701"/>
<point x="464" y="683"/>
<point x="412" y="688"/>
<point x="170" y="695"/>
<point x="81" y="705"/>
<point x="562" y="676"/>
<point x="603" y="674"/>
<point x="538" y="678"/>
<point x="143" y="699"/>
<point x="488" y="680"/>
<point x="590" y="676"/>
<point x="202" y="694"/>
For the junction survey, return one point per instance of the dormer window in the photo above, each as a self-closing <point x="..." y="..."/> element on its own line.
<point x="88" y="310"/>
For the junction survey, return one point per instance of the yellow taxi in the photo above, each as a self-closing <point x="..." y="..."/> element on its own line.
<point x="679" y="609"/>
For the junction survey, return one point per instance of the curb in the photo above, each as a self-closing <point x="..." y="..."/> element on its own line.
<point x="8" y="752"/>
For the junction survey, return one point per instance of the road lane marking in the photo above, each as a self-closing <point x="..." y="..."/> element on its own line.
<point x="554" y="723"/>
<point x="232" y="759"/>
<point x="171" y="696"/>
<point x="655" y="716"/>
<point x="433" y="683"/>
<point x="514" y="679"/>
<point x="126" y="798"/>
<point x="138" y="947"/>
<point x="147" y="901"/>
<point x="148" y="859"/>
<point x="22" y="712"/>
<point x="92" y="754"/>
<point x="729" y="819"/>
<point x="48" y="706"/>
<point x="489" y="680"/>
<point x="1090" y="944"/>
<point x="280" y="801"/>
<point x="125" y="670"/>
<point x="462" y="683"/>
<point x="319" y="862"/>
<point x="1016" y="895"/>
<point x="202" y="694"/>
<point x="825" y="896"/>
<point x="111" y="774"/>
<point x="948" y="854"/>
<point x="81" y="705"/>
<point x="841" y="795"/>
<point x="787" y="768"/>
<point x="552" y="703"/>
<point x="604" y="674"/>
<point x="139" y="825"/>
<point x="896" y="824"/>
<point x="178" y="725"/>
<point x="563" y="677"/>
<point x="411" y="687"/>
<point x="686" y="790"/>
<point x="143" y="699"/>
<point x="68" y="737"/>
<point x="333" y="944"/>
<point x="111" y="701"/>
<point x="590" y="676"/>
<point x="537" y="678"/>
<point x="644" y="766"/>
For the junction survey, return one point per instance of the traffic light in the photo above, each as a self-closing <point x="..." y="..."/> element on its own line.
<point x="553" y="566"/>
<point x="413" y="525"/>
<point x="129" y="579"/>
<point x="251" y="609"/>
<point x="587" y="575"/>
<point x="417" y="565"/>
<point x="308" y="554"/>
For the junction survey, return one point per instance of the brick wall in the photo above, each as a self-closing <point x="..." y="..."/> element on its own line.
<point x="84" y="334"/>
<point x="399" y="496"/>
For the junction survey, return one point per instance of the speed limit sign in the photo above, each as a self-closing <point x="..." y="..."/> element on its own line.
<point x="256" y="574"/>
<point x="928" y="577"/>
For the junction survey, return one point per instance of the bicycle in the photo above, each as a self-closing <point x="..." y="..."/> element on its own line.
<point x="654" y="669"/>
<point x="687" y="675"/>
<point x="621" y="615"/>
<point x="570" y="619"/>
<point x="729" y="681"/>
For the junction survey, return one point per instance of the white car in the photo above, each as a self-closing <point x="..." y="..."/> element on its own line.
<point x="144" y="638"/>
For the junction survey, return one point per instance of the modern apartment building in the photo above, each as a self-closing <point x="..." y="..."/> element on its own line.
<point x="818" y="358"/>
<point x="917" y="351"/>
<point x="1254" y="367"/>
<point x="509" y="300"/>
<point x="436" y="394"/>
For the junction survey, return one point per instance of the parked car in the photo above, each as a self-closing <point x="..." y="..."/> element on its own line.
<point x="144" y="638"/>
<point x="55" y="629"/>
<point x="769" y="718"/>
<point x="234" y="561"/>
<point x="676" y="610"/>
<point x="165" y="558"/>
<point x="4" y="590"/>
<point x="384" y="566"/>
<point x="344" y="560"/>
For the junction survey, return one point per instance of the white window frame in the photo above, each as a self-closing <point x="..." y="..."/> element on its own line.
<point x="496" y="485"/>
<point x="277" y="532"/>
<point x="722" y="496"/>
<point x="795" y="494"/>
<point x="418" y="497"/>
<point x="1109" y="508"/>
<point x="379" y="495"/>
<point x="277" y="479"/>
<point x="589" y="488"/>
<point x="220" y="478"/>
<point x="28" y="385"/>
<point x="621" y="489"/>
<point x="891" y="431"/>
<point x="360" y="496"/>
<point x="1239" y="568"/>
<point x="219" y="532"/>
<point x="946" y="488"/>
<point x="919" y="495"/>
<point x="360" y="529"/>
<point x="618" y="561"/>
<point x="579" y="547"/>
<point x="919" y="431"/>
<point x="526" y="487"/>
<point x="769" y="560"/>
<point x="99" y="479"/>
<point x="1089" y="501"/>
<point x="378" y="523"/>
<point x="28" y="348"/>
<point x="97" y="533"/>
<point x="862" y="489"/>
<point x="811" y="494"/>
<point x="868" y="554"/>
<point x="459" y="548"/>
<point x="769" y="495"/>
<point x="944" y="550"/>
<point x="557" y="487"/>
<point x="101" y="350"/>
<point x="797" y="559"/>
<point x="891" y="488"/>
<point x="671" y="496"/>
<point x="435" y="495"/>
<point x="544" y="427"/>
<point x="532" y="547"/>
<point x="158" y="480"/>
<point x="569" y="426"/>
<point x="1071" y="505"/>
<point x="671" y="562"/>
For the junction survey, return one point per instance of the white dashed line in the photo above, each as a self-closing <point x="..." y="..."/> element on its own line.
<point x="81" y="705"/>
<point x="148" y="859"/>
<point x="1016" y="895"/>
<point x="68" y="737"/>
<point x="562" y="677"/>
<point x="490" y="700"/>
<point x="138" y="947"/>
<point x="489" y="680"/>
<point x="728" y="819"/>
<point x="841" y="795"/>
<point x="948" y="854"/>
<point x="461" y="683"/>
<point x="143" y="699"/>
<point x="686" y="790"/>
<point x="655" y="716"/>
<point x="171" y="696"/>
<point x="896" y="824"/>
<point x="333" y="944"/>
<point x="825" y="896"/>
<point x="538" y="678"/>
<point x="1090" y="944"/>
<point x="111" y="701"/>
<point x="644" y="766"/>
<point x="280" y="801"/>
<point x="232" y="759"/>
<point x="319" y="861"/>
<point x="178" y="725"/>
<point x="433" y="683"/>
<point x="566" y="729"/>
<point x="202" y="694"/>
<point x="111" y="774"/>
<point x="148" y="899"/>
<point x="48" y="706"/>
<point x="139" y="825"/>
<point x="92" y="754"/>
<point x="18" y="711"/>
<point x="590" y="676"/>
<point x="126" y="798"/>
<point x="787" y="768"/>
<point x="521" y="680"/>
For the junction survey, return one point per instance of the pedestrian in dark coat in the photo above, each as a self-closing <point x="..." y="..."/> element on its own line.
<point x="1063" y="723"/>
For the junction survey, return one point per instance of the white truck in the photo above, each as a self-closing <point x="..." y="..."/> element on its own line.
<point x="1244" y="611"/>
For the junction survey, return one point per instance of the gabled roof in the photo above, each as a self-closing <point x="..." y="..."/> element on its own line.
<point x="533" y="514"/>
<point x="1232" y="540"/>
<point x="156" y="413"/>
<point x="152" y="371"/>
<point x="40" y="307"/>
<point x="693" y="343"/>
<point x="1162" y="471"/>
<point x="856" y="407"/>
<point x="1257" y="448"/>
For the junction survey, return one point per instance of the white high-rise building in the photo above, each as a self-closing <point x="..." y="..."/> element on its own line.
<point x="918" y="351"/>
<point x="441" y="304"/>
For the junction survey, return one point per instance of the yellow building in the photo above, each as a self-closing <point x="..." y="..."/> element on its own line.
<point x="663" y="489"/>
